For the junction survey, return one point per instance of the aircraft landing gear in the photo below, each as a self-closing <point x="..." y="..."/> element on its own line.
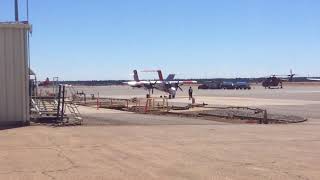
<point x="171" y="96"/>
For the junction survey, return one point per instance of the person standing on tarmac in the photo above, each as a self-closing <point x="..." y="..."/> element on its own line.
<point x="190" y="92"/>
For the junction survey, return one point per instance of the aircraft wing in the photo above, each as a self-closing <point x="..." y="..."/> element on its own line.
<point x="284" y="79"/>
<point x="313" y="79"/>
<point x="145" y="84"/>
<point x="183" y="82"/>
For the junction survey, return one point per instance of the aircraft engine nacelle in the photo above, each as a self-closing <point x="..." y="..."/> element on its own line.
<point x="173" y="91"/>
<point x="135" y="84"/>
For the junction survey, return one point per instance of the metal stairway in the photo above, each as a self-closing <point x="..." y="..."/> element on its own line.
<point x="74" y="95"/>
<point x="44" y="108"/>
<point x="75" y="116"/>
<point x="59" y="109"/>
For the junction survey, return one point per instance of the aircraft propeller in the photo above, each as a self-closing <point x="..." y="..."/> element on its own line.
<point x="178" y="86"/>
<point x="152" y="85"/>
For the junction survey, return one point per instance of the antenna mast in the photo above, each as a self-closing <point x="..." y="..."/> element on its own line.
<point x="28" y="11"/>
<point x="16" y="10"/>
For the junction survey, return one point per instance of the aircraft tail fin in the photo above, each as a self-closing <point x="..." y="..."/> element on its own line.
<point x="160" y="75"/>
<point x="170" y="77"/>
<point x="135" y="75"/>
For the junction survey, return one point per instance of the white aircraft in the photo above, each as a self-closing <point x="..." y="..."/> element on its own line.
<point x="313" y="79"/>
<point x="168" y="85"/>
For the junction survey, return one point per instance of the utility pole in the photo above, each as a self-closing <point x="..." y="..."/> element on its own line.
<point x="16" y="10"/>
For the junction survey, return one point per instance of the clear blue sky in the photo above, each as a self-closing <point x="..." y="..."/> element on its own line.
<point x="106" y="39"/>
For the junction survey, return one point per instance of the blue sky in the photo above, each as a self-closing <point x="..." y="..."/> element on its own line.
<point x="107" y="39"/>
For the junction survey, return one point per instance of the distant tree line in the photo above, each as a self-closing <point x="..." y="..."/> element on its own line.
<point x="121" y="82"/>
<point x="94" y="82"/>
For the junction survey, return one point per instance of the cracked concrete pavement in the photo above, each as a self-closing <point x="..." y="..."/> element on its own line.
<point x="222" y="151"/>
<point x="131" y="146"/>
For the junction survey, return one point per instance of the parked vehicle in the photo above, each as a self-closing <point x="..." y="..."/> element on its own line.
<point x="227" y="85"/>
<point x="210" y="85"/>
<point x="242" y="85"/>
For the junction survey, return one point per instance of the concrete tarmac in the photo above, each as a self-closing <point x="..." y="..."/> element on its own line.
<point x="301" y="99"/>
<point x="123" y="145"/>
<point x="220" y="151"/>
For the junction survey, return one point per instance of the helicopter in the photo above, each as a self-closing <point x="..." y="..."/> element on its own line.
<point x="277" y="80"/>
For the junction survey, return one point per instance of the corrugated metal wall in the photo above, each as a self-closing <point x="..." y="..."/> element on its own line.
<point x="14" y="78"/>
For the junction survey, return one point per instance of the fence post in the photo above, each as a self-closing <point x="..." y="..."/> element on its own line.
<point x="153" y="104"/>
<point x="98" y="101"/>
<point x="265" y="117"/>
<point x="58" y="109"/>
<point x="167" y="104"/>
<point x="146" y="107"/>
<point x="63" y="97"/>
<point x="163" y="103"/>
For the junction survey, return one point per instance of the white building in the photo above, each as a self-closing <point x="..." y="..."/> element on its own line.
<point x="14" y="74"/>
